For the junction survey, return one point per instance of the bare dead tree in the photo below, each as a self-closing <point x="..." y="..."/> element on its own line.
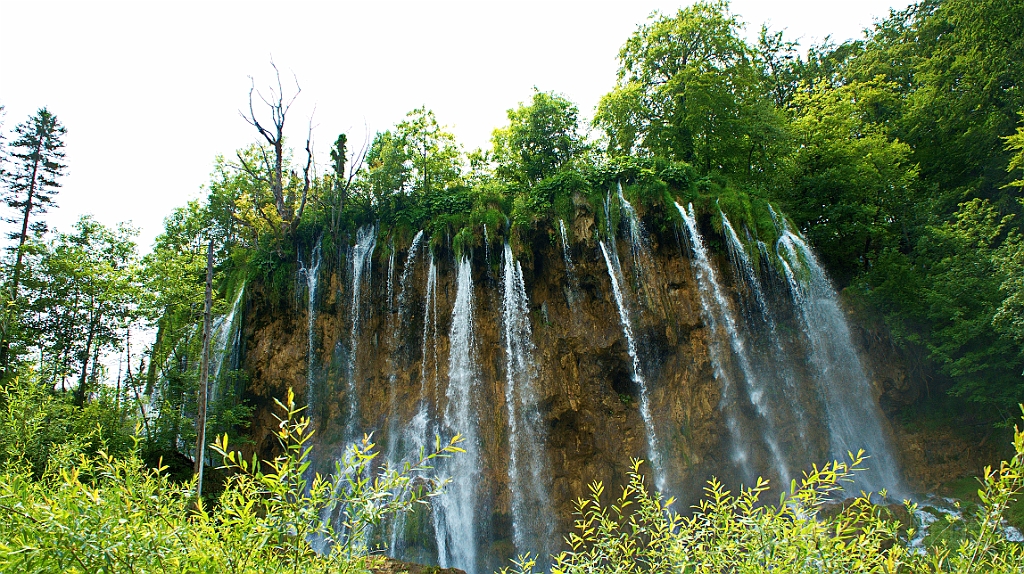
<point x="271" y="172"/>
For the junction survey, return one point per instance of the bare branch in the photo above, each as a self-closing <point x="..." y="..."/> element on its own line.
<point x="250" y="170"/>
<point x="305" y="170"/>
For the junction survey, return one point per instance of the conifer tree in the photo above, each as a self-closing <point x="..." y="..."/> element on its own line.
<point x="31" y="184"/>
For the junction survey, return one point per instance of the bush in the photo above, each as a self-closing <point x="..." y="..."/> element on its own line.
<point x="740" y="533"/>
<point x="109" y="514"/>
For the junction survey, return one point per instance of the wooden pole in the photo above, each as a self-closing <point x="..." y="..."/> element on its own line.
<point x="204" y="375"/>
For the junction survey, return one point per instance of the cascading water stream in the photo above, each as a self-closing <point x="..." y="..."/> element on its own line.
<point x="366" y="240"/>
<point x="415" y="434"/>
<point x="455" y="520"/>
<point x="718" y="316"/>
<point x="653" y="452"/>
<point x="391" y="275"/>
<point x="854" y="419"/>
<point x="403" y="282"/>
<point x="311" y="273"/>
<point x="531" y="531"/>
<point x="224" y="328"/>
<point x="397" y="330"/>
<point x="781" y="366"/>
<point x="573" y="282"/>
<point x="638" y="246"/>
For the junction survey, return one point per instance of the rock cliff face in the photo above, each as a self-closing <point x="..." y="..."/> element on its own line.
<point x="561" y="359"/>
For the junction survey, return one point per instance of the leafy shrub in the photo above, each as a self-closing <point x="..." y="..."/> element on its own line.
<point x="109" y="514"/>
<point x="41" y="429"/>
<point x="740" y="533"/>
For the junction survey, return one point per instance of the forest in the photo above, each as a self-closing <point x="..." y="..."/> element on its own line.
<point x="899" y="157"/>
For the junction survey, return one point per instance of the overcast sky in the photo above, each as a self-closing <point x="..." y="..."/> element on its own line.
<point x="150" y="91"/>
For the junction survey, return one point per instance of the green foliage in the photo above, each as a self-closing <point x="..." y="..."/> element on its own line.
<point x="42" y="431"/>
<point x="851" y="191"/>
<point x="688" y="90"/>
<point x="541" y="137"/>
<point x="805" y="532"/>
<point x="109" y="514"/>
<point x="85" y="295"/>
<point x="954" y="284"/>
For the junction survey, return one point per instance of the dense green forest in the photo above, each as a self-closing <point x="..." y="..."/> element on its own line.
<point x="899" y="156"/>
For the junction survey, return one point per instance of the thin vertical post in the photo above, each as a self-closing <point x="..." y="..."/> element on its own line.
<point x="204" y="375"/>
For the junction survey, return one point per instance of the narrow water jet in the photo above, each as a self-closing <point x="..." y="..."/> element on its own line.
<point x="311" y="274"/>
<point x="391" y="275"/>
<point x="366" y="240"/>
<point x="854" y="419"/>
<point x="455" y="520"/>
<point x="531" y="531"/>
<point x="653" y="452"/>
<point x="573" y="282"/>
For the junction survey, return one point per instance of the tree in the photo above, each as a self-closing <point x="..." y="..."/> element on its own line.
<point x="416" y="158"/>
<point x="271" y="170"/>
<point x="541" y="137"/>
<point x="345" y="165"/>
<point x="1015" y="143"/>
<point x="851" y="186"/>
<point x="31" y="186"/>
<point x="688" y="90"/>
<point x="83" y="300"/>
<point x="960" y="65"/>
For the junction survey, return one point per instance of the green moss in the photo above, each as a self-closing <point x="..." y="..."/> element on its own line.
<point x="463" y="242"/>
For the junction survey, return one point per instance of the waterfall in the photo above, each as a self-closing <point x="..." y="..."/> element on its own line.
<point x="487" y="248"/>
<point x="780" y="366"/>
<point x="225" y="328"/>
<point x="391" y="275"/>
<point x="642" y="259"/>
<point x="718" y="316"/>
<point x="397" y="330"/>
<point x="416" y="431"/>
<point x="854" y="419"/>
<point x="572" y="281"/>
<point x="615" y="273"/>
<point x="403" y="282"/>
<point x="362" y="261"/>
<point x="455" y="510"/>
<point x="311" y="273"/>
<point x="527" y="471"/>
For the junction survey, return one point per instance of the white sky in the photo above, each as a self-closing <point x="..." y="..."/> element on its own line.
<point x="150" y="91"/>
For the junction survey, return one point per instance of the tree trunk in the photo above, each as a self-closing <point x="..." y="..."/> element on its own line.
<point x="5" y="342"/>
<point x="80" y="392"/>
<point x="204" y="375"/>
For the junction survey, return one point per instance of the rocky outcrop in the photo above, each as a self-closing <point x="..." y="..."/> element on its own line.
<point x="587" y="393"/>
